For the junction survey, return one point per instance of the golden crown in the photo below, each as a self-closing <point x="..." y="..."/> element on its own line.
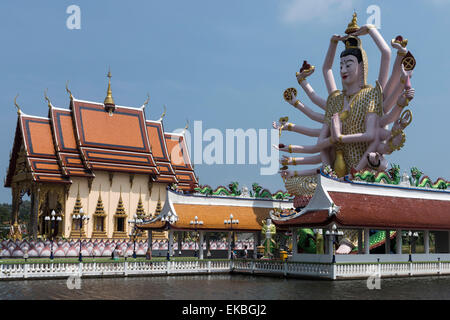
<point x="352" y="26"/>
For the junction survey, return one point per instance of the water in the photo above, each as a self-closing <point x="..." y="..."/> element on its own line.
<point x="226" y="287"/>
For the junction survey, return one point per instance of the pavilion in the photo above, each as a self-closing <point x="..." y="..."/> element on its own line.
<point x="204" y="214"/>
<point x="364" y="206"/>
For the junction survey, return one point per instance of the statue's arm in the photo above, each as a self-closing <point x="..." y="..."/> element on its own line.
<point x="316" y="99"/>
<point x="382" y="46"/>
<point x="395" y="112"/>
<point x="288" y="173"/>
<point x="396" y="69"/>
<point x="324" y="137"/>
<point x="385" y="55"/>
<point x="300" y="160"/>
<point x="328" y="64"/>
<point x="366" y="136"/>
<point x="296" y="128"/>
<point x="307" y="111"/>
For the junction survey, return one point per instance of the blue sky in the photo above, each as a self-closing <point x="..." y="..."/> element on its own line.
<point x="226" y="63"/>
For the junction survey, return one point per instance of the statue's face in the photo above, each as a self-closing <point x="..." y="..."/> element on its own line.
<point x="349" y="69"/>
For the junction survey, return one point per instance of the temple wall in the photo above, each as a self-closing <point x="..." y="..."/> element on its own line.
<point x="129" y="186"/>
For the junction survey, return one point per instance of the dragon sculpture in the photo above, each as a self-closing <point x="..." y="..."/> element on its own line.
<point x="391" y="177"/>
<point x="416" y="180"/>
<point x="233" y="191"/>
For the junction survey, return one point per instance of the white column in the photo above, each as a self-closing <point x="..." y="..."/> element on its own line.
<point x="398" y="243"/>
<point x="255" y="245"/>
<point x="366" y="241"/>
<point x="294" y="242"/>
<point x="360" y="241"/>
<point x="229" y="244"/>
<point x="387" y="245"/>
<point x="200" y="255"/>
<point x="170" y="242"/>
<point x="426" y="241"/>
<point x="330" y="245"/>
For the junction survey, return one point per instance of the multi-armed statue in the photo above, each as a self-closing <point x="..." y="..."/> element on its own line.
<point x="355" y="133"/>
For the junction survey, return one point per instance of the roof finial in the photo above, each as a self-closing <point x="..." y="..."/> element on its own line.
<point x="68" y="91"/>
<point x="146" y="101"/>
<point x="47" y="99"/>
<point x="109" y="101"/>
<point x="17" y="106"/>
<point x="164" y="113"/>
<point x="185" y="127"/>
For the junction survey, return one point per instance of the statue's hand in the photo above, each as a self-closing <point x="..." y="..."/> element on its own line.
<point x="277" y="125"/>
<point x="405" y="97"/>
<point x="305" y="74"/>
<point x="398" y="46"/>
<point x="286" y="160"/>
<point x="337" y="38"/>
<point x="363" y="30"/>
<point x="286" y="174"/>
<point x="281" y="147"/>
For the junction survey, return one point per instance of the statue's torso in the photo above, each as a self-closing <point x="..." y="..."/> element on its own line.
<point x="367" y="100"/>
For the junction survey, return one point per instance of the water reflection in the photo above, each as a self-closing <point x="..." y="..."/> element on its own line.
<point x="226" y="287"/>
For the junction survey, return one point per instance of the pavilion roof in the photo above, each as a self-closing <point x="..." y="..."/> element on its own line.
<point x="370" y="205"/>
<point x="180" y="209"/>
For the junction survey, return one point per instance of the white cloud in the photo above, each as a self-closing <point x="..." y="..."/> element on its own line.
<point x="301" y="11"/>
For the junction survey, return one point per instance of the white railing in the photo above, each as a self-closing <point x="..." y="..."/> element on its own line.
<point x="57" y="270"/>
<point x="317" y="270"/>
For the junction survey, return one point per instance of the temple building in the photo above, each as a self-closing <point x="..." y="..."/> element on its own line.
<point x="97" y="160"/>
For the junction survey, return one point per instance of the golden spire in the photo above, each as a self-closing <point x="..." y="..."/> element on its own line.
<point x="109" y="101"/>
<point x="158" y="205"/>
<point x="140" y="211"/>
<point x="352" y="26"/>
<point x="120" y="208"/>
<point x="99" y="209"/>
<point x="78" y="205"/>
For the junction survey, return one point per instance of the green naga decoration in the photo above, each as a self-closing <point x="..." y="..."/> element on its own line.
<point x="260" y="192"/>
<point x="417" y="181"/>
<point x="268" y="229"/>
<point x="233" y="190"/>
<point x="391" y="177"/>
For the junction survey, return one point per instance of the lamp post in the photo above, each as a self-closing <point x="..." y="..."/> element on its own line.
<point x="412" y="236"/>
<point x="334" y="233"/>
<point x="133" y="231"/>
<point x="196" y="223"/>
<point x="82" y="218"/>
<point x="230" y="222"/>
<point x="52" y="223"/>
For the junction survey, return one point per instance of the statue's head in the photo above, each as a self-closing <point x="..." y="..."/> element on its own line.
<point x="351" y="62"/>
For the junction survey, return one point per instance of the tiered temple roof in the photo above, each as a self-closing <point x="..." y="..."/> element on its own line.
<point x="88" y="137"/>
